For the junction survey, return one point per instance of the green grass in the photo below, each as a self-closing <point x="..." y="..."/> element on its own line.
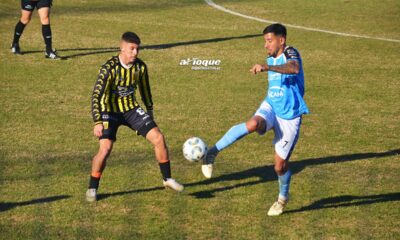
<point x="346" y="163"/>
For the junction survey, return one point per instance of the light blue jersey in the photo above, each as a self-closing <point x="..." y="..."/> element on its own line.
<point x="285" y="91"/>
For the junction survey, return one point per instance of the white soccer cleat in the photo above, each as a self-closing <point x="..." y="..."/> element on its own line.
<point x="52" y="54"/>
<point x="172" y="184"/>
<point x="91" y="195"/>
<point x="207" y="170"/>
<point x="277" y="208"/>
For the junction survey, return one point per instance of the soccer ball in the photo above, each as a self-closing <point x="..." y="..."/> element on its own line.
<point x="194" y="149"/>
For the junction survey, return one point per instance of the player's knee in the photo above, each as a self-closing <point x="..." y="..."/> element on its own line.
<point x="105" y="151"/>
<point x="158" y="139"/>
<point x="45" y="20"/>
<point x="25" y="20"/>
<point x="252" y="125"/>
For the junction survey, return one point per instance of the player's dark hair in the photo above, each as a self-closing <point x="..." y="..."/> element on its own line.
<point x="131" y="37"/>
<point x="276" y="28"/>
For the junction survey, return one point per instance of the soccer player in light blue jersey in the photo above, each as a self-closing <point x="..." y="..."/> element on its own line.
<point x="281" y="110"/>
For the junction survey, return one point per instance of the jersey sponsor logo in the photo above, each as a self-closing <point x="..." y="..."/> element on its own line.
<point x="125" y="91"/>
<point x="292" y="54"/>
<point x="275" y="92"/>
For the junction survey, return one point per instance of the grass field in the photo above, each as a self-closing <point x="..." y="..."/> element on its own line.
<point x="346" y="163"/>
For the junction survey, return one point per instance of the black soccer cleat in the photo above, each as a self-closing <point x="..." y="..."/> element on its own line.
<point x="16" y="49"/>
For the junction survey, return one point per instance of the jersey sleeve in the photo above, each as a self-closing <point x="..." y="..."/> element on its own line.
<point x="292" y="54"/>
<point x="98" y="91"/>
<point x="144" y="87"/>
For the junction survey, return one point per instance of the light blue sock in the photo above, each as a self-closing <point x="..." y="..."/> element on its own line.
<point x="234" y="134"/>
<point x="284" y="182"/>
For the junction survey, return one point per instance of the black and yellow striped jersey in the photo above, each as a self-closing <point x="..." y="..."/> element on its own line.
<point x="115" y="88"/>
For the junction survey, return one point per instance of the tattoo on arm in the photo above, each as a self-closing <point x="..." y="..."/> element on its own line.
<point x="291" y="67"/>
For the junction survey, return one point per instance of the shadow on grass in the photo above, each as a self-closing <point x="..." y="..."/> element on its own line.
<point x="348" y="201"/>
<point x="107" y="195"/>
<point x="4" y="206"/>
<point x="93" y="51"/>
<point x="264" y="174"/>
<point x="267" y="173"/>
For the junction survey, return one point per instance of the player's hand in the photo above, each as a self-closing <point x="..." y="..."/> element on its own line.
<point x="257" y="69"/>
<point x="98" y="130"/>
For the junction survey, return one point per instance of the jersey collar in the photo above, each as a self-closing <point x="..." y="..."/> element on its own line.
<point x="124" y="65"/>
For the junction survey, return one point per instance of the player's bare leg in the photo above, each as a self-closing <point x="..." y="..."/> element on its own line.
<point x="100" y="159"/>
<point x="98" y="166"/>
<point x="155" y="137"/>
<point x="256" y="123"/>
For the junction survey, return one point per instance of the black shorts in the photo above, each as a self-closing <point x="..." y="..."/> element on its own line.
<point x="31" y="5"/>
<point x="137" y="119"/>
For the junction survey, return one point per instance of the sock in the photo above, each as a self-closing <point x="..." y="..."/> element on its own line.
<point x="284" y="182"/>
<point x="46" y="32"/>
<point x="234" y="134"/>
<point x="165" y="169"/>
<point x="213" y="151"/>
<point x="94" y="180"/>
<point x="19" y="28"/>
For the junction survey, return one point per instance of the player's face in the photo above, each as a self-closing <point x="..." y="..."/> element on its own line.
<point x="129" y="51"/>
<point x="274" y="44"/>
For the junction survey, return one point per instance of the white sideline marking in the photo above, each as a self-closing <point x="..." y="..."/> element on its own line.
<point x="212" y="4"/>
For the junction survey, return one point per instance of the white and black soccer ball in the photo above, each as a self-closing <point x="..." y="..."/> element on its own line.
<point x="194" y="149"/>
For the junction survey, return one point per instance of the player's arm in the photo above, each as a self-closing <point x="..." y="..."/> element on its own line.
<point x="291" y="67"/>
<point x="145" y="91"/>
<point x="98" y="92"/>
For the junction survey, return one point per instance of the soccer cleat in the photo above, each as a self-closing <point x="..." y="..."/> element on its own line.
<point x="277" y="208"/>
<point x="207" y="170"/>
<point x="52" y="54"/>
<point x="91" y="195"/>
<point x="172" y="184"/>
<point x="15" y="48"/>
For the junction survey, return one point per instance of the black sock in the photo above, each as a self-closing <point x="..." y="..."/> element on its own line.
<point x="213" y="151"/>
<point x="46" y="32"/>
<point x="19" y="28"/>
<point x="165" y="169"/>
<point x="94" y="182"/>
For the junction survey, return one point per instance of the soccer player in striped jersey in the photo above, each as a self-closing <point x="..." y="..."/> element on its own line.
<point x="27" y="7"/>
<point x="280" y="111"/>
<point x="114" y="103"/>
